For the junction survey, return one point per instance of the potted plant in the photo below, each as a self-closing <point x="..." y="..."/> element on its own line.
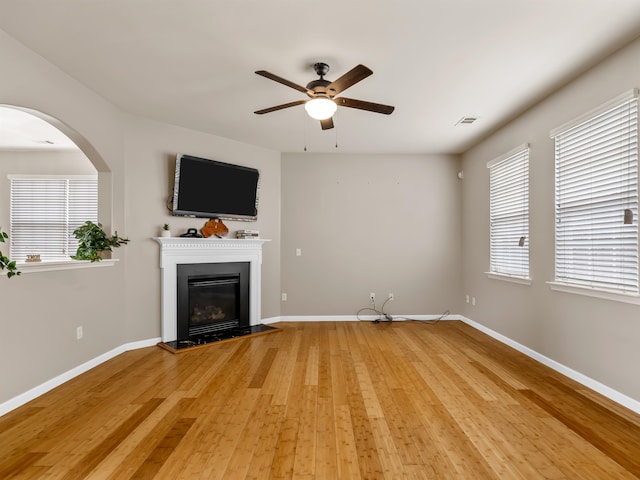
<point x="165" y="231"/>
<point x="92" y="241"/>
<point x="5" y="262"/>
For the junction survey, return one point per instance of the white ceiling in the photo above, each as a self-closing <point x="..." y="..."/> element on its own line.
<point x="191" y="62"/>
<point x="20" y="130"/>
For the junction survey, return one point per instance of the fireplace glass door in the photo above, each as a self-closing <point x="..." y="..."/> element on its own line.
<point x="213" y="304"/>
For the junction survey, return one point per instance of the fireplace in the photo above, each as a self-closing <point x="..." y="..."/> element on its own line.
<point x="212" y="298"/>
<point x="179" y="251"/>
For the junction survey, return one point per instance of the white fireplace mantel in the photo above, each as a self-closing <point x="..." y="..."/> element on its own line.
<point x="181" y="250"/>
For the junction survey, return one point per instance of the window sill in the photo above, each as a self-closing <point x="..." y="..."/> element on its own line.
<point x="508" y="278"/>
<point x="52" y="266"/>
<point x="595" y="292"/>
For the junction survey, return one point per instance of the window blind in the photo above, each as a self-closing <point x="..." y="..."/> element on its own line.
<point x="46" y="210"/>
<point x="596" y="211"/>
<point x="509" y="213"/>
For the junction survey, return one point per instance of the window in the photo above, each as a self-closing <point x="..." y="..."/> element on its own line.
<point x="596" y="211"/>
<point x="509" y="213"/>
<point x="45" y="210"/>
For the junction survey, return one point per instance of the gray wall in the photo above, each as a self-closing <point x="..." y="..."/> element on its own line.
<point x="120" y="304"/>
<point x="40" y="311"/>
<point x="596" y="337"/>
<point x="370" y="223"/>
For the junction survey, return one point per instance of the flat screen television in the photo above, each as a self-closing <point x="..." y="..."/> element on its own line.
<point x="211" y="189"/>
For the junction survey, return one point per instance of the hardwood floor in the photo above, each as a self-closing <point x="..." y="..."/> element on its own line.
<point x="402" y="400"/>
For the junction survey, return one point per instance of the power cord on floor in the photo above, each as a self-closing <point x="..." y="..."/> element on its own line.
<point x="380" y="313"/>
<point x="426" y="322"/>
<point x="386" y="317"/>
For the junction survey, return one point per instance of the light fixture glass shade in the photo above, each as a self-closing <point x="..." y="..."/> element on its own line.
<point x="320" y="108"/>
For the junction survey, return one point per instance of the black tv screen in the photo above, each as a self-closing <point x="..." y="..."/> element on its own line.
<point x="211" y="189"/>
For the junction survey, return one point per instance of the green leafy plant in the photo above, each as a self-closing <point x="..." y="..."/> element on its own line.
<point x="5" y="262"/>
<point x="92" y="241"/>
<point x="165" y="226"/>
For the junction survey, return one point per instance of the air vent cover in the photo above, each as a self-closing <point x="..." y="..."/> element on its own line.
<point x="466" y="121"/>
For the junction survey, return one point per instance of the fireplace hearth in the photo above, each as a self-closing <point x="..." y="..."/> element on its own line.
<point x="216" y="337"/>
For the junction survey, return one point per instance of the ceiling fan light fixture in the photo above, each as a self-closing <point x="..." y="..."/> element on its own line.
<point x="320" y="108"/>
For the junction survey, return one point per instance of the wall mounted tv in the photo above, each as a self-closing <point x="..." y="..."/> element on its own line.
<point x="211" y="189"/>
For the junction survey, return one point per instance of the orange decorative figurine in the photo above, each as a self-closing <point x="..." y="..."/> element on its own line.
<point x="214" y="227"/>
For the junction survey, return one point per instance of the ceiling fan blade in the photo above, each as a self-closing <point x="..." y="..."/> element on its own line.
<point x="284" y="81"/>
<point x="362" y="105"/>
<point x="327" y="124"/>
<point x="280" y="107"/>
<point x="353" y="76"/>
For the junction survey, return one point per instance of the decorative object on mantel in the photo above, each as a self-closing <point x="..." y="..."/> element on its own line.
<point x="5" y="262"/>
<point x="223" y="336"/>
<point x="93" y="241"/>
<point x="247" y="234"/>
<point x="191" y="233"/>
<point x="165" y="231"/>
<point x="33" y="258"/>
<point x="215" y="227"/>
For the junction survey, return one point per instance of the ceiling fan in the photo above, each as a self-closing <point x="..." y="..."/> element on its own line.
<point x="322" y="103"/>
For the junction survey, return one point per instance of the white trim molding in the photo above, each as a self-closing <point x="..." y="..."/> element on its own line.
<point x="509" y="278"/>
<point x="605" y="107"/>
<point x="34" y="267"/>
<point x="602" y="389"/>
<point x="361" y="318"/>
<point x="614" y="296"/>
<point x="43" y="388"/>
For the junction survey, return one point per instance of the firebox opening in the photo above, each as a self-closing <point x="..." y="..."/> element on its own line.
<point x="212" y="298"/>
<point x="213" y="303"/>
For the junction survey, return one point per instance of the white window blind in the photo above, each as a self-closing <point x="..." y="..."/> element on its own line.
<point x="509" y="213"/>
<point x="46" y="210"/>
<point x="596" y="231"/>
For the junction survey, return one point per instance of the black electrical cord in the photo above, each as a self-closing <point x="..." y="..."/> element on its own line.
<point x="380" y="313"/>
<point x="389" y="318"/>
<point x="426" y="322"/>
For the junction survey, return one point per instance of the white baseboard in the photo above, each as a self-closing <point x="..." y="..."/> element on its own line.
<point x="608" y="392"/>
<point x="267" y="321"/>
<point x="602" y="389"/>
<point x="35" y="392"/>
<point x="354" y="318"/>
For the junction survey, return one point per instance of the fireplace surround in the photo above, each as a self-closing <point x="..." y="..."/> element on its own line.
<point x="195" y="251"/>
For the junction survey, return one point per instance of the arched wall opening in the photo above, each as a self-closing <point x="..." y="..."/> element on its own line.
<point x="26" y="131"/>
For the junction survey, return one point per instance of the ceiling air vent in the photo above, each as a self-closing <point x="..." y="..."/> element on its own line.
<point x="466" y="121"/>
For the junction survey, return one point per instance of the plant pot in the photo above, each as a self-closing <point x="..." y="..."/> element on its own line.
<point x="165" y="233"/>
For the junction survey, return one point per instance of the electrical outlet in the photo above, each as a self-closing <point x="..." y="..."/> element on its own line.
<point x="284" y="297"/>
<point x="79" y="333"/>
<point x="473" y="301"/>
<point x="391" y="297"/>
<point x="298" y="252"/>
<point x="467" y="299"/>
<point x="372" y="297"/>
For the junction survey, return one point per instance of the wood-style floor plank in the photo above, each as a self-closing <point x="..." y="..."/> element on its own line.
<point x="330" y="400"/>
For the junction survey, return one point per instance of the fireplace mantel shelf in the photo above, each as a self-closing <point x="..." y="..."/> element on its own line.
<point x="208" y="241"/>
<point x="204" y="243"/>
<point x="187" y="250"/>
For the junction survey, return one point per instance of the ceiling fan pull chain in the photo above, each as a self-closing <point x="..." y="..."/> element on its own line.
<point x="304" y="122"/>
